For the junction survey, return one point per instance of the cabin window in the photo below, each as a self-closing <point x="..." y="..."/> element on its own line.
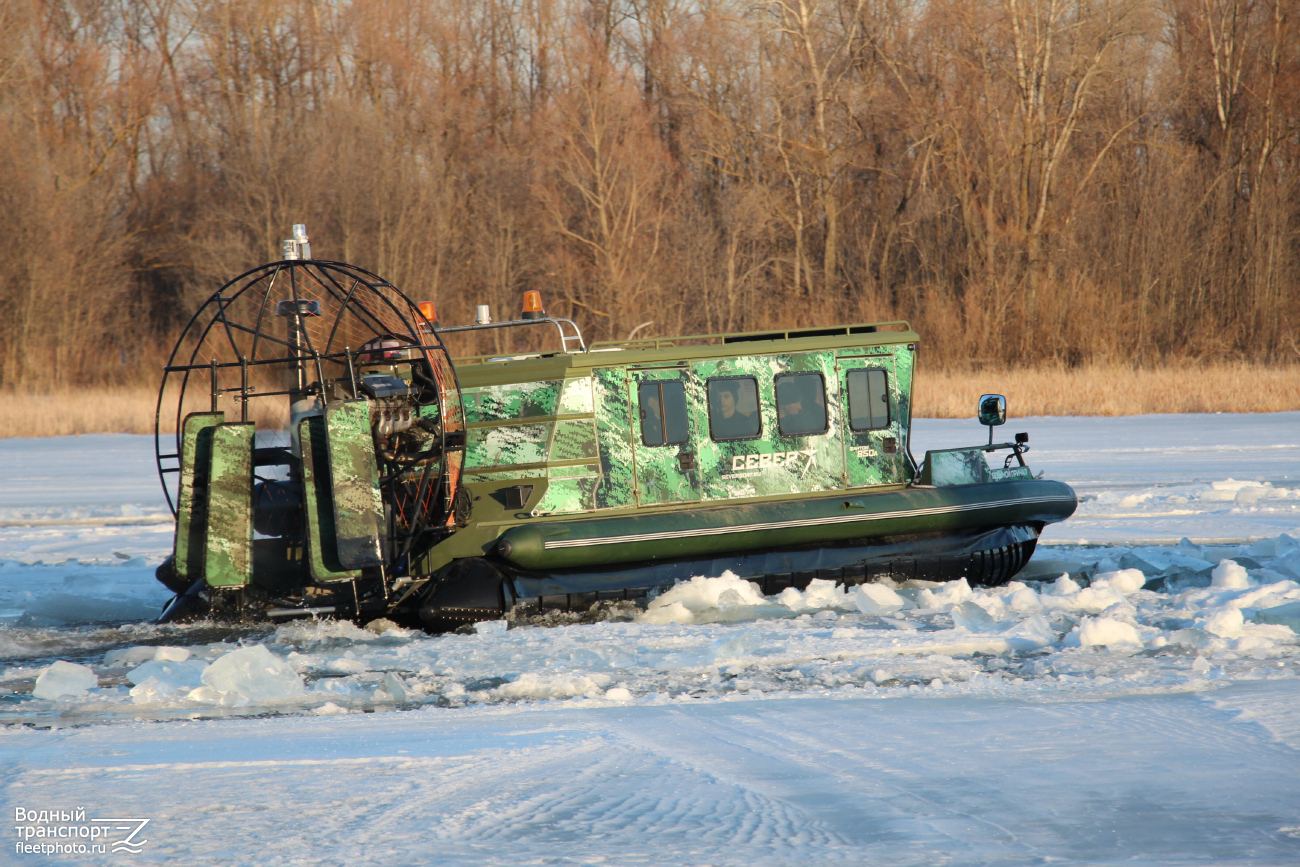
<point x="801" y="404"/>
<point x="663" y="412"/>
<point x="868" y="399"/>
<point x="733" y="408"/>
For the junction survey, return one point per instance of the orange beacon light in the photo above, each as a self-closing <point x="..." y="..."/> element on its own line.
<point x="533" y="305"/>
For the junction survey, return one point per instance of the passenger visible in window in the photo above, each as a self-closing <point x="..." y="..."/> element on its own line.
<point x="652" y="420"/>
<point x="733" y="409"/>
<point x="663" y="412"/>
<point x="801" y="404"/>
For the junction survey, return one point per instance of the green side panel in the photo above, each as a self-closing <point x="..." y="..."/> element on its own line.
<point x="904" y="371"/>
<point x="574" y="439"/>
<point x="507" y="446"/>
<point x="867" y="457"/>
<point x="614" y="431"/>
<point x="587" y="541"/>
<point x="577" y="396"/>
<point x="489" y="403"/>
<point x="666" y="473"/>
<point x="192" y="493"/>
<point x="504" y="476"/>
<point x="950" y="467"/>
<point x="574" y="471"/>
<point x="569" y="495"/>
<point x="771" y="464"/>
<point x="322" y="543"/>
<point x="228" y="545"/>
<point x="955" y="467"/>
<point x="354" y="480"/>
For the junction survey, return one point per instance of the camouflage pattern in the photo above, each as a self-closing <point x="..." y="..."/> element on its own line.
<point x="569" y="495"/>
<point x="631" y="473"/>
<point x="617" y="485"/>
<point x="506" y="445"/>
<point x="666" y="473"/>
<point x="228" y="547"/>
<point x="192" y="493"/>
<point x="513" y="402"/>
<point x="955" y="467"/>
<point x="904" y="371"/>
<point x="318" y="495"/>
<point x="773" y="464"/>
<point x="354" y="481"/>
<point x="867" y="454"/>
<point x="577" y="397"/>
<point x="557" y="439"/>
<point x="573" y="456"/>
<point x="949" y="467"/>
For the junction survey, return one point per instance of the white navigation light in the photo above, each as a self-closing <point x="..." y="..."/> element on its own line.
<point x="300" y="238"/>
<point x="482" y="315"/>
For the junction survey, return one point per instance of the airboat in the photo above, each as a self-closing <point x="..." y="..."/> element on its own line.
<point x="330" y="458"/>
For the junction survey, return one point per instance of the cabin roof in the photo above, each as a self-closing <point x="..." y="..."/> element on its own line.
<point x="497" y="370"/>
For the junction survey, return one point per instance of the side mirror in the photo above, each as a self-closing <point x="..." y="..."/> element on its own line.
<point x="992" y="409"/>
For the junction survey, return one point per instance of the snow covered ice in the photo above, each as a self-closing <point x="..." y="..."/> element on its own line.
<point x="1134" y="696"/>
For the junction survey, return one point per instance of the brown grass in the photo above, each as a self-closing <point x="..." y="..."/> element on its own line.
<point x="1111" y="390"/>
<point x="939" y="394"/>
<point x="85" y="412"/>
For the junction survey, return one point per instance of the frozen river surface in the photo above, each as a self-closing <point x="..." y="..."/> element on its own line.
<point x="1145" y="710"/>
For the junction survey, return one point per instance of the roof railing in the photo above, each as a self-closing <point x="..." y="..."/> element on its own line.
<point x="753" y="336"/>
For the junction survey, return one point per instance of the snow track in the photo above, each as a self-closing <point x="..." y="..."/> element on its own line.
<point x="1148" y="780"/>
<point x="1142" y="713"/>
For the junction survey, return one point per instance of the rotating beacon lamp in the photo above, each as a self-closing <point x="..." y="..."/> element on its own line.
<point x="533" y="305"/>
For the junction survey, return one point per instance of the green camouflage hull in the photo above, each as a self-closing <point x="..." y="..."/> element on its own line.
<point x="852" y="518"/>
<point x="986" y="556"/>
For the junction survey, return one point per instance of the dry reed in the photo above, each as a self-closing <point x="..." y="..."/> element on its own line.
<point x="939" y="394"/>
<point x="87" y="412"/>
<point x="1107" y="391"/>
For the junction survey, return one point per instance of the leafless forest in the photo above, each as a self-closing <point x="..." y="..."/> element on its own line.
<point x="1035" y="182"/>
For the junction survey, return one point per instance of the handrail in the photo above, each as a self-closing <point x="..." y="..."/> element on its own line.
<point x="565" y="339"/>
<point x="782" y="334"/>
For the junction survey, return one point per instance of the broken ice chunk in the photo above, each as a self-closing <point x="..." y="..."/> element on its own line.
<point x="1107" y="632"/>
<point x="151" y="691"/>
<point x="1228" y="575"/>
<point x="392" y="684"/>
<point x="1226" y="622"/>
<point x="877" y="599"/>
<point x="187" y="675"/>
<point x="948" y="595"/>
<point x="1282" y="615"/>
<point x="1125" y="581"/>
<point x="65" y="679"/>
<point x="971" y="616"/>
<point x="126" y="657"/>
<point x="255" y="673"/>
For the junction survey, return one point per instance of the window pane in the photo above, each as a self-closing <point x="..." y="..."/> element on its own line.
<point x="652" y="414"/>
<point x="868" y="399"/>
<point x="801" y="404"/>
<point x="675" y="411"/>
<point x="663" y="412"/>
<point x="733" y="408"/>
